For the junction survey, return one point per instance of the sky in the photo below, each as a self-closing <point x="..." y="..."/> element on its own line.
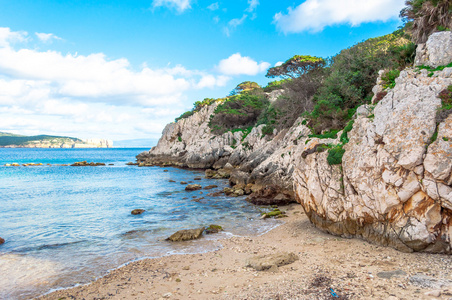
<point x="124" y="69"/>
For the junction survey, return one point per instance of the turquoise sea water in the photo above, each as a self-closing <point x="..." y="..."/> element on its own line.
<point x="68" y="225"/>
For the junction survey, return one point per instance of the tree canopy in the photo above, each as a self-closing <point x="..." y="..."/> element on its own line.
<point x="296" y="66"/>
<point x="245" y="86"/>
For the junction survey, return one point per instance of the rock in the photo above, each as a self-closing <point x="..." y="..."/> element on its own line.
<point x="197" y="178"/>
<point x="216" y="194"/>
<point x="171" y="180"/>
<point x="193" y="187"/>
<point x="183" y="182"/>
<point x="390" y="274"/>
<point x="269" y="195"/>
<point x="276" y="213"/>
<point x="86" y="164"/>
<point x="186" y="235"/>
<point x="15" y="165"/>
<point x="137" y="211"/>
<point x="111" y="164"/>
<point x="209" y="187"/>
<point x="7" y="165"/>
<point x="2" y="241"/>
<point x="392" y="298"/>
<point x="425" y="281"/>
<point x="131" y="164"/>
<point x="434" y="293"/>
<point x="165" y="171"/>
<point x="213" y="229"/>
<point x="265" y="262"/>
<point x="228" y="191"/>
<point x="437" y="51"/>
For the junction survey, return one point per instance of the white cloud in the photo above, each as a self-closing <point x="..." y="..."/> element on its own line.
<point x="252" y="5"/>
<point x="7" y="36"/>
<point x="90" y="94"/>
<point x="315" y="15"/>
<point x="47" y="37"/>
<point x="213" y="6"/>
<point x="236" y="22"/>
<point x="237" y="64"/>
<point x="179" y="5"/>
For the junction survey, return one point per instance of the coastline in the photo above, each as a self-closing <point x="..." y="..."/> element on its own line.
<point x="353" y="268"/>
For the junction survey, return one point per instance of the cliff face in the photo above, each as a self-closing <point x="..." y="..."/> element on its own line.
<point x="393" y="186"/>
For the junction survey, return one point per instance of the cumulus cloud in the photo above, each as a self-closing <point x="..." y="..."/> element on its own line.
<point x="179" y="5"/>
<point x="237" y="64"/>
<point x="315" y="15"/>
<point x="47" y="37"/>
<point x="89" y="94"/>
<point x="213" y="6"/>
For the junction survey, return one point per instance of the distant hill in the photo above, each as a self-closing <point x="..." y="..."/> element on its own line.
<point x="15" y="140"/>
<point x="136" y="143"/>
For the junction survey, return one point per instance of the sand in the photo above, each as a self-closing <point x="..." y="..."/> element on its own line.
<point x="352" y="268"/>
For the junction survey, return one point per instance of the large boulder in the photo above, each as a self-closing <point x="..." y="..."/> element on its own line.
<point x="186" y="235"/>
<point x="436" y="52"/>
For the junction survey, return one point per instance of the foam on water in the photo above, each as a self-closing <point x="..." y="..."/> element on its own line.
<point x="70" y="225"/>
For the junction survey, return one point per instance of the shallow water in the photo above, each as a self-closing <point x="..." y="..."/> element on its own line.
<point x="69" y="225"/>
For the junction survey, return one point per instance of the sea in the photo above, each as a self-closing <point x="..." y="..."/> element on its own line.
<point x="66" y="226"/>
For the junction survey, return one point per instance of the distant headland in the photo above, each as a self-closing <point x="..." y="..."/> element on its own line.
<point x="10" y="140"/>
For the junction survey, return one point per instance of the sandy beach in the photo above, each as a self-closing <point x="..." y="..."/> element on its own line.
<point x="328" y="267"/>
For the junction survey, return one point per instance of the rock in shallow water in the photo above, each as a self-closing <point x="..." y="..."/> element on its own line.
<point x="186" y="235"/>
<point x="213" y="229"/>
<point x="137" y="211"/>
<point x="193" y="187"/>
<point x="2" y="241"/>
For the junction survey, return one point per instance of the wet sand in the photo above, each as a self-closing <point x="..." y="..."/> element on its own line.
<point x="352" y="268"/>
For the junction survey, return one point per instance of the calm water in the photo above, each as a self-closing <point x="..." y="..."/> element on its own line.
<point x="69" y="225"/>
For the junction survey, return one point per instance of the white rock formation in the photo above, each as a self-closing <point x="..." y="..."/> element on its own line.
<point x="436" y="52"/>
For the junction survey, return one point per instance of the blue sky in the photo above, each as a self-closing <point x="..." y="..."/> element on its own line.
<point x="124" y="69"/>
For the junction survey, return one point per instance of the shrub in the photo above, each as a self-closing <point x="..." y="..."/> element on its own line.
<point x="237" y="112"/>
<point x="245" y="86"/>
<point x="380" y="96"/>
<point x="389" y="78"/>
<point x="335" y="155"/>
<point x="268" y="130"/>
<point x="350" y="79"/>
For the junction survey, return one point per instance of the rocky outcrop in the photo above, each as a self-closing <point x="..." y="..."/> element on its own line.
<point x="137" y="211"/>
<point x="393" y="186"/>
<point x="437" y="51"/>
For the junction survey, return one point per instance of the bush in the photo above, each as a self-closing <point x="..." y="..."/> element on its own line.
<point x="196" y="107"/>
<point x="335" y="155"/>
<point x="237" y="112"/>
<point x="351" y="77"/>
<point x="389" y="78"/>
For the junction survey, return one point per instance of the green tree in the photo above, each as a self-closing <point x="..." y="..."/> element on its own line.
<point x="245" y="86"/>
<point x="297" y="66"/>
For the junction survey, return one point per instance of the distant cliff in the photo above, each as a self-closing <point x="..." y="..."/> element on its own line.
<point x="9" y="140"/>
<point x="386" y="177"/>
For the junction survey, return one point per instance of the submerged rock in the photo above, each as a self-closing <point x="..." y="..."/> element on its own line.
<point x="186" y="235"/>
<point x="183" y="182"/>
<point x="171" y="180"/>
<point x="86" y="164"/>
<point x="213" y="229"/>
<point x="137" y="211"/>
<point x="131" y="164"/>
<point x="209" y="187"/>
<point x="265" y="262"/>
<point x="2" y="241"/>
<point x="193" y="187"/>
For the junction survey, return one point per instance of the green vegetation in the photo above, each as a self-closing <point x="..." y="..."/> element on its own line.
<point x="7" y="139"/>
<point x="245" y="86"/>
<point x="350" y="78"/>
<point x="297" y="66"/>
<point x="430" y="69"/>
<point x="335" y="155"/>
<point x="332" y="134"/>
<point x="389" y="78"/>
<point x="275" y="85"/>
<point x="238" y="111"/>
<point x="179" y="138"/>
<point x="425" y="17"/>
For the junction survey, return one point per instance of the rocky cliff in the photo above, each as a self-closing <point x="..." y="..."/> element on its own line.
<point x="393" y="186"/>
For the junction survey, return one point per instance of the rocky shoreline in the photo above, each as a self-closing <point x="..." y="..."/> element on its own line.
<point x="392" y="186"/>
